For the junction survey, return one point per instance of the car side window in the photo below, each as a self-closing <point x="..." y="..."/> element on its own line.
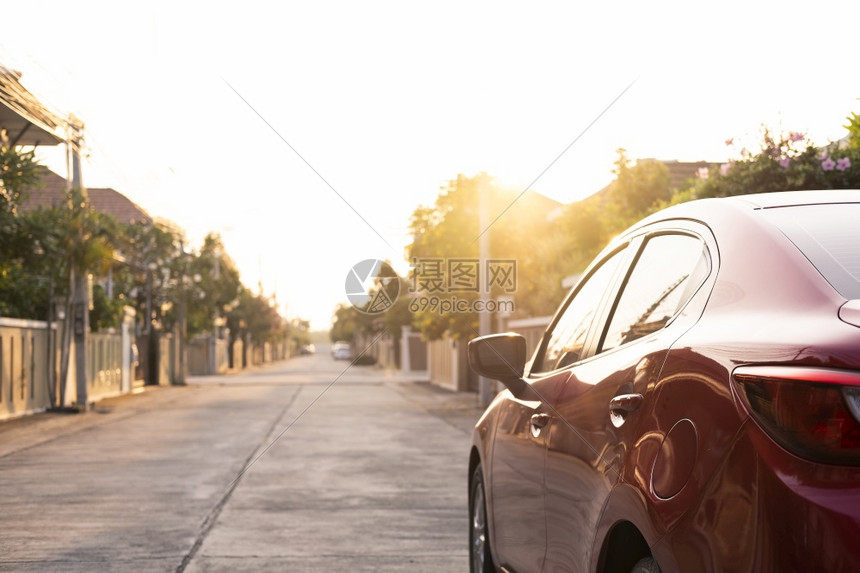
<point x="668" y="272"/>
<point x="567" y="340"/>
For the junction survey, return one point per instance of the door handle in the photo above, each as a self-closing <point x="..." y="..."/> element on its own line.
<point x="538" y="422"/>
<point x="622" y="405"/>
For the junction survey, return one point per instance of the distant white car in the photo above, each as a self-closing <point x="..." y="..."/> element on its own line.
<point x="341" y="351"/>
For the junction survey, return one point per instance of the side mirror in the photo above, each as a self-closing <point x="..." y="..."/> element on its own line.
<point x="501" y="357"/>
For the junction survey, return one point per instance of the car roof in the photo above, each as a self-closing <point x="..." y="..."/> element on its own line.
<point x="713" y="209"/>
<point x="797" y="198"/>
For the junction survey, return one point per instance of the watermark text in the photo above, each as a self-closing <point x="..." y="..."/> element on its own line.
<point x="449" y="305"/>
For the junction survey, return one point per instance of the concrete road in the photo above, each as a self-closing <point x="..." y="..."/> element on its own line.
<point x="306" y="465"/>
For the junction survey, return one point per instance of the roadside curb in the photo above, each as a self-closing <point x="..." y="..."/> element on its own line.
<point x="25" y="432"/>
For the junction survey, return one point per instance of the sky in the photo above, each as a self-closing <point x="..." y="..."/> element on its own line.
<point x="306" y="133"/>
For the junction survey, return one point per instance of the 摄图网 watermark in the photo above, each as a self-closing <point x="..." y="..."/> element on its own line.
<point x="436" y="284"/>
<point x="449" y="285"/>
<point x="456" y="275"/>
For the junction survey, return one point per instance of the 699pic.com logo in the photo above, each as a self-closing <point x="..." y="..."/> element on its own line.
<point x="372" y="286"/>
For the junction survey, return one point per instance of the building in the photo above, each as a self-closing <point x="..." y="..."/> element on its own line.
<point x="51" y="192"/>
<point x="23" y="118"/>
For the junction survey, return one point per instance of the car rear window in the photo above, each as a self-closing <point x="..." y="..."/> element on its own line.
<point x="829" y="236"/>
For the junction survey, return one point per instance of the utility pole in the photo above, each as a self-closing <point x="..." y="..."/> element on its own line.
<point x="486" y="386"/>
<point x="81" y="301"/>
<point x="182" y="332"/>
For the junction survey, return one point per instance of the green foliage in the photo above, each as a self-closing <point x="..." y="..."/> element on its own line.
<point x="146" y="274"/>
<point x="300" y="332"/>
<point x="585" y="227"/>
<point x="149" y="269"/>
<point x="637" y="189"/>
<point x="788" y="162"/>
<point x="399" y="315"/>
<point x="204" y="288"/>
<point x="85" y="236"/>
<point x="18" y="171"/>
<point x="347" y="322"/>
<point x="255" y="316"/>
<point x="23" y="287"/>
<point x="449" y="229"/>
<point x="106" y="312"/>
<point x="154" y="274"/>
<point x="23" y="294"/>
<point x="853" y="127"/>
<point x="43" y="248"/>
<point x="217" y="285"/>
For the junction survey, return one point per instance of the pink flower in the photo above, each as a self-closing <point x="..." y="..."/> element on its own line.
<point x="702" y="173"/>
<point x="729" y="142"/>
<point x="843" y="163"/>
<point x="784" y="161"/>
<point x="795" y="136"/>
<point x="828" y="164"/>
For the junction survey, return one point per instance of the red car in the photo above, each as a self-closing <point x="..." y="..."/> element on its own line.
<point x="693" y="405"/>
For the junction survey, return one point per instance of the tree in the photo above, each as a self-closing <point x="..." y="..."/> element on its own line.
<point x="67" y="243"/>
<point x="18" y="171"/>
<point x="24" y="276"/>
<point x="217" y="285"/>
<point x="347" y="322"/>
<point x="152" y="275"/>
<point x="300" y="332"/>
<point x="853" y="127"/>
<point x="637" y="189"/>
<point x="522" y="229"/>
<point x="256" y="317"/>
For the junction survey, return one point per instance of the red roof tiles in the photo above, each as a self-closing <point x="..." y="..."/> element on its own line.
<point x="52" y="192"/>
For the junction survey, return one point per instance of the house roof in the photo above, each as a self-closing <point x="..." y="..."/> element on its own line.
<point x="24" y="118"/>
<point x="111" y="201"/>
<point x="52" y="192"/>
<point x="681" y="171"/>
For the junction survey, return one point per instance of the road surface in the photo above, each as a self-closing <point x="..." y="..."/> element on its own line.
<point x="305" y="465"/>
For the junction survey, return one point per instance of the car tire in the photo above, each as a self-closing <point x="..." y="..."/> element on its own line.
<point x="480" y="558"/>
<point x="646" y="565"/>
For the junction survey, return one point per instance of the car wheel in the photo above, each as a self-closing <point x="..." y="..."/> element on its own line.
<point x="480" y="560"/>
<point x="646" y="565"/>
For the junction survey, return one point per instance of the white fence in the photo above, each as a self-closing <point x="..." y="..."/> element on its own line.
<point x="27" y="351"/>
<point x="30" y="366"/>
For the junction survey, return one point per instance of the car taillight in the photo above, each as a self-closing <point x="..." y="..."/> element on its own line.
<point x="811" y="412"/>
